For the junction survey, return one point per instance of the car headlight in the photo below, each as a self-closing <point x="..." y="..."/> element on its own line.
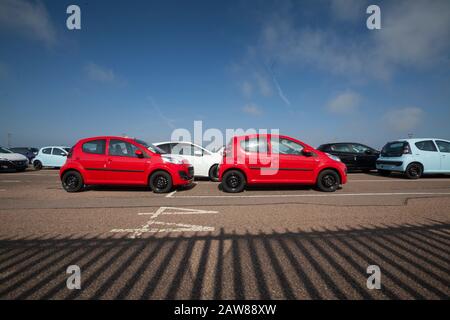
<point x="333" y="157"/>
<point x="170" y="159"/>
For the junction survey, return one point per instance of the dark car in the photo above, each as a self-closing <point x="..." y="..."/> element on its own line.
<point x="30" y="153"/>
<point x="356" y="156"/>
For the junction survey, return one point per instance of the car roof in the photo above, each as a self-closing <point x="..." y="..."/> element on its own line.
<point x="55" y="147"/>
<point x="417" y="139"/>
<point x="186" y="142"/>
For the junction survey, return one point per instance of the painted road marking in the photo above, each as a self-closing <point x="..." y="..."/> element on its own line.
<point x="2" y="189"/>
<point x="169" y="195"/>
<point x="172" y="226"/>
<point x="322" y="195"/>
<point x="10" y="181"/>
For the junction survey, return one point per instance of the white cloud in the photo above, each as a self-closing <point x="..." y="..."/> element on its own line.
<point x="246" y="89"/>
<point x="404" y="119"/>
<point x="263" y="84"/>
<point x="252" y="109"/>
<point x="29" y="19"/>
<point x="344" y="103"/>
<point x="99" y="73"/>
<point x="414" y="34"/>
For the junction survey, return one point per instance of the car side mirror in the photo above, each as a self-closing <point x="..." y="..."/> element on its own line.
<point x="139" y="153"/>
<point x="307" y="153"/>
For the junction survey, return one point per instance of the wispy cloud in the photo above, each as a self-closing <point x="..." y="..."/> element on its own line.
<point x="252" y="109"/>
<point x="403" y="120"/>
<point x="169" y="121"/>
<point x="246" y="89"/>
<point x="29" y="19"/>
<point x="344" y="103"/>
<point x="413" y="34"/>
<point x="98" y="73"/>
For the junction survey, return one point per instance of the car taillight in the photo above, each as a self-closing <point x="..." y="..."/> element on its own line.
<point x="406" y="149"/>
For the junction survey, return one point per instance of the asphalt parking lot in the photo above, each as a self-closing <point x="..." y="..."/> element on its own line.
<point x="201" y="243"/>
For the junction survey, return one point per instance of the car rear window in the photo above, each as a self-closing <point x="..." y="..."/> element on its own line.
<point x="94" y="146"/>
<point x="393" y="149"/>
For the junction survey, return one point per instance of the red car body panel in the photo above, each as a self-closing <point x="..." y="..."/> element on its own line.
<point x="291" y="169"/>
<point x="122" y="170"/>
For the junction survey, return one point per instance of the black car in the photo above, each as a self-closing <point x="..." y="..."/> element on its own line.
<point x="356" y="156"/>
<point x="30" y="153"/>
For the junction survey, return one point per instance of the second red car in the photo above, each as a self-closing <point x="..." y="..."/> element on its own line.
<point x="275" y="159"/>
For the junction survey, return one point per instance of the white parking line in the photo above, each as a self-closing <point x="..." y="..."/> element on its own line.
<point x="2" y="190"/>
<point x="169" y="195"/>
<point x="323" y="195"/>
<point x="10" y="181"/>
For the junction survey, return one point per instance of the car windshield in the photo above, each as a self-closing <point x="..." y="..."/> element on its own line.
<point x="150" y="146"/>
<point x="4" y="150"/>
<point x="393" y="149"/>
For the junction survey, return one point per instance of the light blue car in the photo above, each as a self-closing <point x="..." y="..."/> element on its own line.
<point x="414" y="157"/>
<point x="51" y="156"/>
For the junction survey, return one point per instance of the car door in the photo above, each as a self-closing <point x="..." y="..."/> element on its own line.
<point x="93" y="160"/>
<point x="365" y="156"/>
<point x="444" y="150"/>
<point x="45" y="156"/>
<point x="345" y="153"/>
<point x="294" y="166"/>
<point x="255" y="155"/>
<point x="123" y="166"/>
<point x="186" y="151"/>
<point x="59" y="157"/>
<point x="427" y="153"/>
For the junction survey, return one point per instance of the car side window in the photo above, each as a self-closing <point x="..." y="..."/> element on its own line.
<point x="358" y="148"/>
<point x="254" y="144"/>
<point x="426" y="145"/>
<point x="47" y="151"/>
<point x="183" y="149"/>
<point x="122" y="148"/>
<point x="94" y="147"/>
<point x="165" y="147"/>
<point x="443" y="146"/>
<point x="341" y="147"/>
<point x="286" y="146"/>
<point x="58" y="152"/>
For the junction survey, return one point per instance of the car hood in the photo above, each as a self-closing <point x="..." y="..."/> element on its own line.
<point x="13" y="156"/>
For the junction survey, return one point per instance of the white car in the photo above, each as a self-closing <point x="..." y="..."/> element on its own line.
<point x="11" y="160"/>
<point x="205" y="162"/>
<point x="415" y="157"/>
<point x="52" y="156"/>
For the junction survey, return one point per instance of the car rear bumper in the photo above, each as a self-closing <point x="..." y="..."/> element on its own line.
<point x="391" y="165"/>
<point x="11" y="164"/>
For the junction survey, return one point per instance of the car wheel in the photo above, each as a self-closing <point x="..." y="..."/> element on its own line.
<point x="233" y="181"/>
<point x="214" y="173"/>
<point x="328" y="181"/>
<point x="37" y="165"/>
<point x="384" y="173"/>
<point x="161" y="182"/>
<point x="72" y="181"/>
<point x="413" y="171"/>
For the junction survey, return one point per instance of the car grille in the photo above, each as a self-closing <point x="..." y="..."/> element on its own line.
<point x="20" y="162"/>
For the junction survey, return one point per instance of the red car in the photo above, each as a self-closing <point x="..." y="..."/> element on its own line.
<point x="275" y="159"/>
<point x="122" y="161"/>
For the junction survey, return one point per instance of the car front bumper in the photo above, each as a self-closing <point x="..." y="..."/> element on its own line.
<point x="13" y="164"/>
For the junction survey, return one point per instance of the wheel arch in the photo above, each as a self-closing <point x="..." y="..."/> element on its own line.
<point x="332" y="169"/>
<point x="236" y="169"/>
<point x="156" y="170"/>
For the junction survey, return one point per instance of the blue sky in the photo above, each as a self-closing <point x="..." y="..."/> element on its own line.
<point x="308" y="68"/>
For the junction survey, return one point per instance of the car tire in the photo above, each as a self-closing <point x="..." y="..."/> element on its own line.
<point x="413" y="171"/>
<point x="384" y="173"/>
<point x="161" y="182"/>
<point x="233" y="181"/>
<point x="328" y="181"/>
<point x="72" y="181"/>
<point x="214" y="173"/>
<point x="37" y="165"/>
